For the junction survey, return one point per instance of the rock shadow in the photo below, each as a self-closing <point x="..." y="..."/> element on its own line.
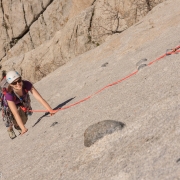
<point x="57" y="107"/>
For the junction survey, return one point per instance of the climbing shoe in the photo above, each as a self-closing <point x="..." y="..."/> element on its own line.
<point x="18" y="129"/>
<point x="11" y="133"/>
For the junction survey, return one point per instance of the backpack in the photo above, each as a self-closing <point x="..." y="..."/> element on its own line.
<point x="25" y="103"/>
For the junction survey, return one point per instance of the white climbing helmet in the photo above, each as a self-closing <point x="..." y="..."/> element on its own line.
<point x="11" y="76"/>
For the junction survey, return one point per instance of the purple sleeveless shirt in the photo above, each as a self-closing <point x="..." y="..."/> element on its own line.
<point x="10" y="96"/>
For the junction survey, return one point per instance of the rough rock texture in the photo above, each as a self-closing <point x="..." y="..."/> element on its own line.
<point x="30" y="23"/>
<point x="115" y="16"/>
<point x="49" y="33"/>
<point x="18" y="16"/>
<point x="148" y="103"/>
<point x="99" y="130"/>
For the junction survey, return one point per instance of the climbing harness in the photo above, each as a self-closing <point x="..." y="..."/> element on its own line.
<point x="24" y="105"/>
<point x="25" y="102"/>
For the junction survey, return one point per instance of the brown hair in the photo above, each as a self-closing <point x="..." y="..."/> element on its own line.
<point x="9" y="89"/>
<point x="3" y="74"/>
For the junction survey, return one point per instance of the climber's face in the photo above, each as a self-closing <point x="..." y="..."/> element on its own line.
<point x="17" y="83"/>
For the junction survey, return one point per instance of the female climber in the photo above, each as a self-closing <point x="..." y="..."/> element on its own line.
<point x="18" y="103"/>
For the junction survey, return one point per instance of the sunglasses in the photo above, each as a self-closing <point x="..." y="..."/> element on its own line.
<point x="18" y="81"/>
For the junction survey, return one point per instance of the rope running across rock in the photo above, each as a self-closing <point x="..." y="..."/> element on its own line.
<point x="175" y="50"/>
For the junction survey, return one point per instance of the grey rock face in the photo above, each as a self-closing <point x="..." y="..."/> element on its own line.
<point x="148" y="103"/>
<point x="101" y="129"/>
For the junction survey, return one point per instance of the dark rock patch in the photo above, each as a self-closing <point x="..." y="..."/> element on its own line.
<point x="141" y="64"/>
<point x="53" y="124"/>
<point x="105" y="64"/>
<point x="178" y="161"/>
<point x="99" y="130"/>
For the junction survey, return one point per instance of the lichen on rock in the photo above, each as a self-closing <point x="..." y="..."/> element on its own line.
<point x="97" y="131"/>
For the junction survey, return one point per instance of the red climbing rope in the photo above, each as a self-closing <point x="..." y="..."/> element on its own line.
<point x="172" y="51"/>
